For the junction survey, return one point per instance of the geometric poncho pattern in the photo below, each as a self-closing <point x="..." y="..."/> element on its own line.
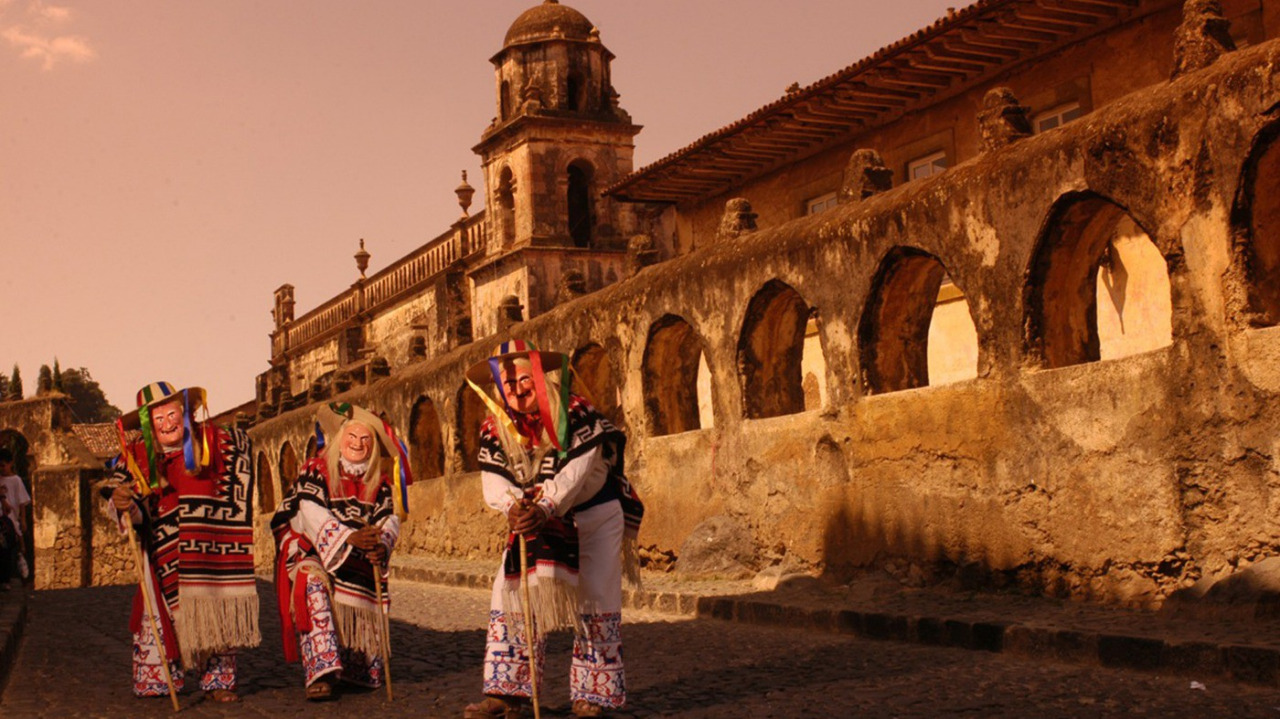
<point x="354" y="595"/>
<point x="198" y="535"/>
<point x="552" y="554"/>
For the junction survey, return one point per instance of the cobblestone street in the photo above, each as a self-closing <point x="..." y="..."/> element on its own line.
<point x="74" y="661"/>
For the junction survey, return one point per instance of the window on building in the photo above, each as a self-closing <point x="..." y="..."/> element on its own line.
<point x="927" y="166"/>
<point x="820" y="203"/>
<point x="1057" y="117"/>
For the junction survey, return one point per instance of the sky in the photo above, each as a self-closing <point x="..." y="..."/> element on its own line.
<point x="165" y="165"/>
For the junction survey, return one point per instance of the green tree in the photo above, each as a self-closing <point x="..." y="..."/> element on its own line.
<point x="15" y="384"/>
<point x="57" y="376"/>
<point x="86" y="398"/>
<point x="44" y="380"/>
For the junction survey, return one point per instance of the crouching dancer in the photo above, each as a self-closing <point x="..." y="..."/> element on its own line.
<point x="554" y="466"/>
<point x="185" y="487"/>
<point x="335" y="528"/>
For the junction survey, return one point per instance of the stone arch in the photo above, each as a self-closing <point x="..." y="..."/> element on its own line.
<point x="916" y="323"/>
<point x="23" y="462"/>
<point x="1256" y="217"/>
<point x="1098" y="288"/>
<point x="266" y="484"/>
<point x="771" y="351"/>
<point x="288" y="465"/>
<point x="670" y="376"/>
<point x="426" y="442"/>
<point x="592" y="365"/>
<point x="505" y="195"/>
<point x="580" y="174"/>
<point x="470" y="415"/>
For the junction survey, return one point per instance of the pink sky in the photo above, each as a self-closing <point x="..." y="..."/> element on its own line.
<point x="164" y="166"/>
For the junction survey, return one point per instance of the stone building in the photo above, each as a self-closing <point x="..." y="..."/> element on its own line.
<point x="1001" y="295"/>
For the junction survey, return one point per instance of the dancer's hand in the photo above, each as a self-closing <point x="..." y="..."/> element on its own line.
<point x="365" y="538"/>
<point x="122" y="497"/>
<point x="526" y="518"/>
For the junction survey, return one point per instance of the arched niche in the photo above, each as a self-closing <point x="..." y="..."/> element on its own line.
<point x="771" y="351"/>
<point x="1257" y="219"/>
<point x="1098" y="288"/>
<point x="288" y="465"/>
<point x="266" y="484"/>
<point x="670" y="372"/>
<point x="596" y="372"/>
<point x="470" y="415"/>
<point x="916" y="328"/>
<point x="426" y="450"/>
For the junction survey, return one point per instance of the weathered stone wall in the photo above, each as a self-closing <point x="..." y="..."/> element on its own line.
<point x="307" y="366"/>
<point x="392" y="330"/>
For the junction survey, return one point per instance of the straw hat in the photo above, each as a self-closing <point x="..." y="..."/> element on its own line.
<point x="482" y="371"/>
<point x="156" y="393"/>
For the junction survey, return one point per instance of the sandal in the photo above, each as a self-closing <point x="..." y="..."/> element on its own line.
<point x="498" y="708"/>
<point x="321" y="690"/>
<point x="222" y="696"/>
<point x="584" y="708"/>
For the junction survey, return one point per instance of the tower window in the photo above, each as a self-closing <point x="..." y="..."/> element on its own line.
<point x="580" y="204"/>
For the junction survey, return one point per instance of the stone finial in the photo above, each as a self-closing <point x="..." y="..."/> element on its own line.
<point x="738" y="219"/>
<point x="864" y="176"/>
<point x="1203" y="36"/>
<point x="362" y="259"/>
<point x="510" y="311"/>
<point x="1002" y="121"/>
<point x="572" y="286"/>
<point x="464" y="192"/>
<point x="640" y="254"/>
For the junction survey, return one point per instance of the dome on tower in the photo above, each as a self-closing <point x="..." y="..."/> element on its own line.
<point x="548" y="21"/>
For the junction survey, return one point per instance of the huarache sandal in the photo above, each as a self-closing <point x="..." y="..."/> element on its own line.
<point x="498" y="708"/>
<point x="222" y="696"/>
<point x="584" y="708"/>
<point x="321" y="690"/>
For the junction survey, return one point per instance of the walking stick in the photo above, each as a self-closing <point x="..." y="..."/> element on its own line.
<point x="528" y="624"/>
<point x="149" y="602"/>
<point x="385" y="627"/>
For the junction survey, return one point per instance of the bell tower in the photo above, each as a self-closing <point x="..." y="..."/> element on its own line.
<point x="559" y="138"/>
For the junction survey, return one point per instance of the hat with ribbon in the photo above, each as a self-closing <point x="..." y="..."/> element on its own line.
<point x="195" y="443"/>
<point x="552" y="408"/>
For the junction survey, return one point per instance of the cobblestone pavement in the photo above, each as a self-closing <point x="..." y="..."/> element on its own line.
<point x="74" y="661"/>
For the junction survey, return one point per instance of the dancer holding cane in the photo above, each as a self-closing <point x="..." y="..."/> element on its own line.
<point x="180" y="492"/>
<point x="334" y="531"/>
<point x="553" y="465"/>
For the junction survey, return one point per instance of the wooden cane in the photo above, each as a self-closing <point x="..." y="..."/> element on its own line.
<point x="530" y="639"/>
<point x="149" y="602"/>
<point x="385" y="627"/>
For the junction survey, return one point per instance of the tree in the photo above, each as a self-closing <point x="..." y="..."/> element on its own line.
<point x="15" y="384"/>
<point x="57" y="376"/>
<point x="87" y="401"/>
<point x="4" y="387"/>
<point x="44" y="380"/>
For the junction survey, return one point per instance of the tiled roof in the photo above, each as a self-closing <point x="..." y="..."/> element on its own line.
<point x="953" y="54"/>
<point x="101" y="439"/>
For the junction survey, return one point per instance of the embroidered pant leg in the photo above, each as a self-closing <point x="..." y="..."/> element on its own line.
<point x="320" y="648"/>
<point x="506" y="655"/>
<point x="596" y="673"/>
<point x="148" y="672"/>
<point x="219" y="672"/>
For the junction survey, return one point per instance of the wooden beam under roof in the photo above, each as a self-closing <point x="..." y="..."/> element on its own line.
<point x="1094" y="11"/>
<point x="1045" y="19"/>
<point x="1021" y="46"/>
<point x="993" y="52"/>
<point x="1077" y="19"/>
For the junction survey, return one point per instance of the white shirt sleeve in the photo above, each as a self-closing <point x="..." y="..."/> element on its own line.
<point x="499" y="493"/>
<point x="327" y="534"/>
<point x="577" y="481"/>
